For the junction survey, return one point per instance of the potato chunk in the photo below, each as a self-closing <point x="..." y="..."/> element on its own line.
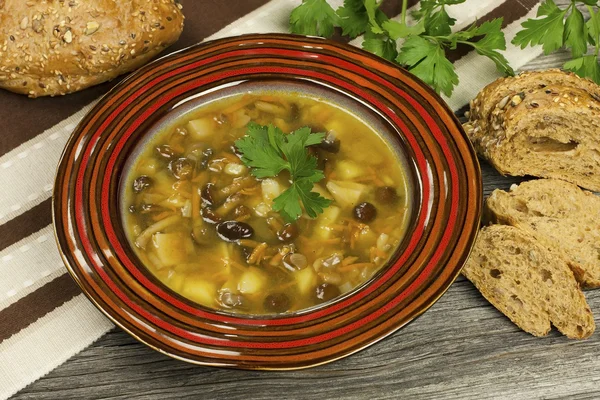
<point x="200" y="291"/>
<point x="172" y="248"/>
<point x="329" y="217"/>
<point x="346" y="194"/>
<point x="202" y="128"/>
<point x="270" y="190"/>
<point x="348" y="169"/>
<point x="251" y="281"/>
<point x="306" y="279"/>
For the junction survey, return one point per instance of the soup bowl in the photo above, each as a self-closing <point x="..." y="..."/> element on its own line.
<point x="442" y="172"/>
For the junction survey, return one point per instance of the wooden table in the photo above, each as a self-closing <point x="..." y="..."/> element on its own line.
<point x="462" y="348"/>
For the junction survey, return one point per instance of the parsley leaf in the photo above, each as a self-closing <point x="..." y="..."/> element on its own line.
<point x="431" y="29"/>
<point x="314" y="17"/>
<point x="547" y="31"/>
<point x="397" y="30"/>
<point x="593" y="27"/>
<point x="374" y="14"/>
<point x="428" y="61"/>
<point x="586" y="66"/>
<point x="288" y="203"/>
<point x="427" y="7"/>
<point x="554" y="31"/>
<point x="575" y="36"/>
<point x="440" y="23"/>
<point x="260" y="153"/>
<point x="268" y="151"/>
<point x="353" y="18"/>
<point x="492" y="40"/>
<point x="380" y="45"/>
<point x="435" y="17"/>
<point x="301" y="164"/>
<point x="377" y="41"/>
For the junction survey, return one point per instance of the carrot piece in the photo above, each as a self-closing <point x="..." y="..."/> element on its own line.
<point x="195" y="202"/>
<point x="257" y="253"/>
<point x="177" y="148"/>
<point x="365" y="178"/>
<point x="330" y="241"/>
<point x="349" y="260"/>
<point x="249" y="243"/>
<point x="276" y="259"/>
<point x="244" y="101"/>
<point x="235" y="264"/>
<point x="250" y="191"/>
<point x="229" y="157"/>
<point x="243" y="218"/>
<point x="351" y="267"/>
<point x="380" y="253"/>
<point x="162" y="215"/>
<point x="201" y="178"/>
<point x="287" y="285"/>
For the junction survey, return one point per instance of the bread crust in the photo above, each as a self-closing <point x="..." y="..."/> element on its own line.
<point x="489" y="97"/>
<point x="542" y="123"/>
<point x="56" y="47"/>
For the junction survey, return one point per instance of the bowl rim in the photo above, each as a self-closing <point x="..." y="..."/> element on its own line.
<point x="74" y="270"/>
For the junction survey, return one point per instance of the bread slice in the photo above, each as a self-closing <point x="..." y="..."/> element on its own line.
<point x="544" y="123"/>
<point x="560" y="215"/>
<point x="528" y="283"/>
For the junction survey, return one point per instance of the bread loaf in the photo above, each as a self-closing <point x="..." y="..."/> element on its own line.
<point x="531" y="285"/>
<point x="560" y="215"/>
<point x="62" y="46"/>
<point x="544" y="123"/>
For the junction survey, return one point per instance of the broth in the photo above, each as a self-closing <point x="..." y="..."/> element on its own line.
<point x="204" y="225"/>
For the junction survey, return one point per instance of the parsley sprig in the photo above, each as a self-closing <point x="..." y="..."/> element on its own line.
<point x="420" y="46"/>
<point x="557" y="28"/>
<point x="267" y="151"/>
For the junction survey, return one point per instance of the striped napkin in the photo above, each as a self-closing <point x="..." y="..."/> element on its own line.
<point x="44" y="318"/>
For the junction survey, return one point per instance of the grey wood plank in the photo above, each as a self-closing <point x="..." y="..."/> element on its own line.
<point x="462" y="348"/>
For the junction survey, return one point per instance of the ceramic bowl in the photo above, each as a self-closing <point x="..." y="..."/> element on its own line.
<point x="446" y="190"/>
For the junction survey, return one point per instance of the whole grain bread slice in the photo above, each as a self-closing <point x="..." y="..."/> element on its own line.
<point x="560" y="215"/>
<point x="530" y="284"/>
<point x="544" y="124"/>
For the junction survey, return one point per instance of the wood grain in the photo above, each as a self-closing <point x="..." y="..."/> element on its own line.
<point x="462" y="348"/>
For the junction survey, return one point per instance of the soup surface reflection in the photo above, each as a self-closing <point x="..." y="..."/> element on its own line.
<point x="205" y="226"/>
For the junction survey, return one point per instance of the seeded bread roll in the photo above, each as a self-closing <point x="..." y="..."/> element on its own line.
<point x="62" y="46"/>
<point x="544" y="123"/>
<point x="560" y="215"/>
<point x="528" y="283"/>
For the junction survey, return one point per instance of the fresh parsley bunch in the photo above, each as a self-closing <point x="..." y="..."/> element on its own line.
<point x="556" y="28"/>
<point x="420" y="47"/>
<point x="268" y="152"/>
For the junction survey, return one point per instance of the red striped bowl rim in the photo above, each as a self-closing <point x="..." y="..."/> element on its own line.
<point x="92" y="242"/>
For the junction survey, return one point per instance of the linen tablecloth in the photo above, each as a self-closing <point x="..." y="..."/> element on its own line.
<point x="44" y="317"/>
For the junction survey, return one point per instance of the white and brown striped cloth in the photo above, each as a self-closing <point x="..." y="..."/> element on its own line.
<point x="44" y="318"/>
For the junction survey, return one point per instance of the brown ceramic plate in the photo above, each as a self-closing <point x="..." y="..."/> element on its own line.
<point x="446" y="189"/>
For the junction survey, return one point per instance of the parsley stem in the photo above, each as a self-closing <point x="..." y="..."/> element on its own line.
<point x="403" y="14"/>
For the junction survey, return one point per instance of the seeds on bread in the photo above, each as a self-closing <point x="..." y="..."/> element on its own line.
<point x="529" y="283"/>
<point x="544" y="123"/>
<point x="560" y="215"/>
<point x="59" y="47"/>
